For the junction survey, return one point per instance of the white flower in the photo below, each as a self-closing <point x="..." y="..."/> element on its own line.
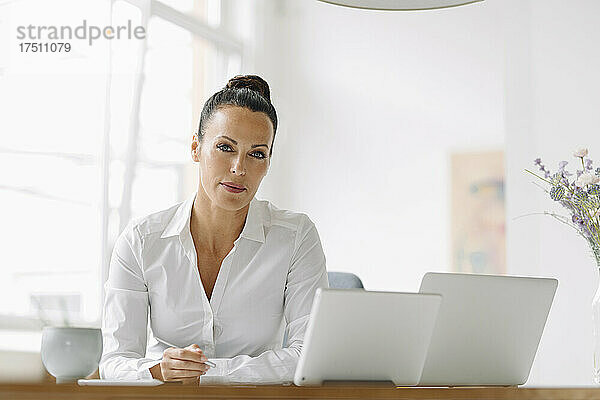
<point x="586" y="179"/>
<point x="580" y="152"/>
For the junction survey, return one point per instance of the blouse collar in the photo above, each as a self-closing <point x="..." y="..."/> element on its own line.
<point x="253" y="228"/>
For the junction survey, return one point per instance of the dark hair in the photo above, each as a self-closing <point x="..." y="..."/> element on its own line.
<point x="248" y="91"/>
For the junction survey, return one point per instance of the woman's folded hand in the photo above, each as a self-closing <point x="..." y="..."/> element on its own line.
<point x="185" y="365"/>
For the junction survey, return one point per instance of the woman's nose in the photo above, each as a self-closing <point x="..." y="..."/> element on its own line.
<point x="238" y="167"/>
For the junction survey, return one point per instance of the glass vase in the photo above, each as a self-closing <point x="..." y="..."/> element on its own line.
<point x="596" y="331"/>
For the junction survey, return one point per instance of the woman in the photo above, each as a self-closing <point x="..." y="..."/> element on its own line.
<point x="220" y="274"/>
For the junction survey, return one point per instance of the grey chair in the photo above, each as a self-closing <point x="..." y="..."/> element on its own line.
<point x="344" y="280"/>
<point x="339" y="280"/>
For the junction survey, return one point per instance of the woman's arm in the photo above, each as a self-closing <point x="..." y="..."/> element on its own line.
<point x="125" y="315"/>
<point x="306" y="273"/>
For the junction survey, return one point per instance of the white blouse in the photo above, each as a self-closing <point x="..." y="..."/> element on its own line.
<point x="265" y="286"/>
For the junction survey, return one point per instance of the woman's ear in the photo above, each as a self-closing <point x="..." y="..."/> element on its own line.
<point x="195" y="148"/>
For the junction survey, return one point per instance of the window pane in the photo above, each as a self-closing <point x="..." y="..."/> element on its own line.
<point x="165" y="119"/>
<point x="51" y="148"/>
<point x="49" y="157"/>
<point x="166" y="107"/>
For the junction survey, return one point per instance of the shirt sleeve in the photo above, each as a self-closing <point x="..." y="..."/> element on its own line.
<point x="306" y="273"/>
<point x="125" y="313"/>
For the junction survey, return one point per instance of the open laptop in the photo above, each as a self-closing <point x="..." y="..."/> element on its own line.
<point x="488" y="328"/>
<point x="355" y="335"/>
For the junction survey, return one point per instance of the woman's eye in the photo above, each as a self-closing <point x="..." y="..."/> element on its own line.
<point x="258" y="154"/>
<point x="224" y="147"/>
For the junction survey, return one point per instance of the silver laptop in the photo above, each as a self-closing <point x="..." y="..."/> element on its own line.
<point x="356" y="335"/>
<point x="488" y="328"/>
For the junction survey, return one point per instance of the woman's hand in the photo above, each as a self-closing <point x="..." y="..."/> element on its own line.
<point x="185" y="365"/>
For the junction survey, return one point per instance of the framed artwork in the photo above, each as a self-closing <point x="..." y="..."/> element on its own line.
<point x="478" y="212"/>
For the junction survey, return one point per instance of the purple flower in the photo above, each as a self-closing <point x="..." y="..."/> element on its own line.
<point x="545" y="171"/>
<point x="562" y="165"/>
<point x="580" y="224"/>
<point x="557" y="193"/>
<point x="538" y="162"/>
<point x="577" y="220"/>
<point x="588" y="164"/>
<point x="581" y="198"/>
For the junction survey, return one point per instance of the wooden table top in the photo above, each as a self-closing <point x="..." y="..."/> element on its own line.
<point x="51" y="391"/>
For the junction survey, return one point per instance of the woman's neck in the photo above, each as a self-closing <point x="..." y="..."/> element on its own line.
<point x="214" y="229"/>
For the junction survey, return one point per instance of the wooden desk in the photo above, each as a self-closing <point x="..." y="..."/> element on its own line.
<point x="49" y="391"/>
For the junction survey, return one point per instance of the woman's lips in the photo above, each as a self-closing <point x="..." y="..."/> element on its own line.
<point x="232" y="187"/>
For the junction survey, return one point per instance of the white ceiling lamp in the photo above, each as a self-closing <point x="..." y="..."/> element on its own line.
<point x="400" y="5"/>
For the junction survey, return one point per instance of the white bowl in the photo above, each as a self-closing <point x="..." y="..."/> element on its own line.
<point x="71" y="353"/>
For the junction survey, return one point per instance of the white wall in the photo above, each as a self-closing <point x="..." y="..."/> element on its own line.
<point x="371" y="103"/>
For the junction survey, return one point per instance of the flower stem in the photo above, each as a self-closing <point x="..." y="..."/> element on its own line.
<point x="534" y="174"/>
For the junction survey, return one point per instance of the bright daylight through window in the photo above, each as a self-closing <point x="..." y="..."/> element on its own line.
<point x="83" y="176"/>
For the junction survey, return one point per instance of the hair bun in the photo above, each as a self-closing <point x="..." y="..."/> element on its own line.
<point x="252" y="82"/>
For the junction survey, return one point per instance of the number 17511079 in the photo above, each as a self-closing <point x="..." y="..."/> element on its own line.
<point x="53" y="47"/>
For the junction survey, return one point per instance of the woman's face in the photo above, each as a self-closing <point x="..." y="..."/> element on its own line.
<point x="233" y="155"/>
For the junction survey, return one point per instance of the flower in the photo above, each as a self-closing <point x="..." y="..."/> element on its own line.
<point x="557" y="193"/>
<point x="586" y="179"/>
<point x="580" y="195"/>
<point x="557" y="178"/>
<point x="582" y="152"/>
<point x="588" y="164"/>
<point x="562" y="170"/>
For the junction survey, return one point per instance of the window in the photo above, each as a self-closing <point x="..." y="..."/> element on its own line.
<point x="94" y="138"/>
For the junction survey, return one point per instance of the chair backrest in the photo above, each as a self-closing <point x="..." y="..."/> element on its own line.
<point x="344" y="280"/>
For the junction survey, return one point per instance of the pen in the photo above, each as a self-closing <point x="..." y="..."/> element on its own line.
<point x="209" y="363"/>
